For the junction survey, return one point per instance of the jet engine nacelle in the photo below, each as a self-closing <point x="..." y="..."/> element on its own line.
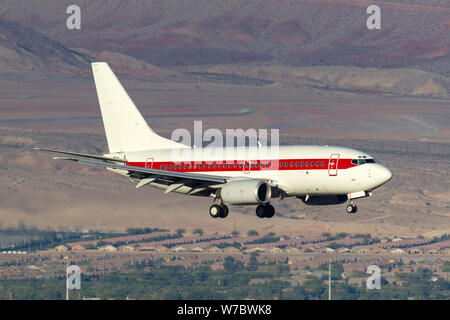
<point x="324" y="200"/>
<point x="245" y="192"/>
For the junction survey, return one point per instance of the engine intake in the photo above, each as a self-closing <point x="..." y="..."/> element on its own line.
<point x="324" y="200"/>
<point x="245" y="192"/>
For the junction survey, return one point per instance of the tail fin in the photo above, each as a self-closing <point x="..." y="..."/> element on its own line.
<point x="126" y="129"/>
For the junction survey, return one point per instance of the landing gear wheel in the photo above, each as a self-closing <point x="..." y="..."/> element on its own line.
<point x="265" y="211"/>
<point x="270" y="211"/>
<point x="261" y="211"/>
<point x="215" y="211"/>
<point x="352" y="208"/>
<point x="224" y="211"/>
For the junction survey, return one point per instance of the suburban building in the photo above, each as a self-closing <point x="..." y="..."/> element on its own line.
<point x="214" y="250"/>
<point x="61" y="248"/>
<point x="433" y="251"/>
<point x="275" y="250"/>
<point x="161" y="249"/>
<point x="231" y="250"/>
<point x="292" y="250"/>
<point x="127" y="248"/>
<point x="146" y="248"/>
<point x="78" y="248"/>
<point x="255" y="249"/>
<point x="107" y="248"/>
<point x="363" y="251"/>
<point x="397" y="251"/>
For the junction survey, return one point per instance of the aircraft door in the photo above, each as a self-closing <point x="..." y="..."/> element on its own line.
<point x="149" y="163"/>
<point x="333" y="165"/>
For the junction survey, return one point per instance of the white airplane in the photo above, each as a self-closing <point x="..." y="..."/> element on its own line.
<point x="317" y="175"/>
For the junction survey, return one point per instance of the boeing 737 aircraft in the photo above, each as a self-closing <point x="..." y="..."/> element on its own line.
<point x="317" y="175"/>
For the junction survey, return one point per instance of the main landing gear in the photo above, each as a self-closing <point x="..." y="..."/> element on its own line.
<point x="352" y="208"/>
<point x="265" y="211"/>
<point x="262" y="211"/>
<point x="218" y="211"/>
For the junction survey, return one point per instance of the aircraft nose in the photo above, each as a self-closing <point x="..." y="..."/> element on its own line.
<point x="384" y="174"/>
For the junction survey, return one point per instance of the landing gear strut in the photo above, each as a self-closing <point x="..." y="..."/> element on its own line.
<point x="218" y="211"/>
<point x="352" y="208"/>
<point x="265" y="211"/>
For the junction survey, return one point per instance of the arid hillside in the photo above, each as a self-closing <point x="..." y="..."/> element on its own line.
<point x="320" y="45"/>
<point x="414" y="33"/>
<point x="23" y="48"/>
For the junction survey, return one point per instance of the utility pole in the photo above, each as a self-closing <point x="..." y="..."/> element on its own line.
<point x="67" y="278"/>
<point x="329" y="269"/>
<point x="329" y="279"/>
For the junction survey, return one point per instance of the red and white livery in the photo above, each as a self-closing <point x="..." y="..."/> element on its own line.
<point x="317" y="175"/>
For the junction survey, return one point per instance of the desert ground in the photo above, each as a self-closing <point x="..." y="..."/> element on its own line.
<point x="409" y="135"/>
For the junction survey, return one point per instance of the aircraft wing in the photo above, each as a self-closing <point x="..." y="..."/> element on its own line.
<point x="200" y="184"/>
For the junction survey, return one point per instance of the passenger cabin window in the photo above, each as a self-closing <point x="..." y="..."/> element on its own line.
<point x="312" y="163"/>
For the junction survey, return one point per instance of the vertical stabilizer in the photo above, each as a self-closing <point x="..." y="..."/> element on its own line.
<point x="126" y="129"/>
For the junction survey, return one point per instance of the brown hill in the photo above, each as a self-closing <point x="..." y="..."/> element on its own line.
<point x="405" y="82"/>
<point x="22" y="48"/>
<point x="25" y="49"/>
<point x="301" y="32"/>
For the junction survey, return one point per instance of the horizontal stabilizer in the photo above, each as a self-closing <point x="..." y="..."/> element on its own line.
<point x="90" y="156"/>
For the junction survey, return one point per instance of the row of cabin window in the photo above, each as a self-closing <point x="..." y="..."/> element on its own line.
<point x="214" y="166"/>
<point x="306" y="164"/>
<point x="235" y="165"/>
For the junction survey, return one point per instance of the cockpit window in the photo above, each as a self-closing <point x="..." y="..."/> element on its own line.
<point x="362" y="161"/>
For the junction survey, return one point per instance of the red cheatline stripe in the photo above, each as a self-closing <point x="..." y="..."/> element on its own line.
<point x="238" y="165"/>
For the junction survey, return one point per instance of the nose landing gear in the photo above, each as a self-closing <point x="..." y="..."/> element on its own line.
<point x="352" y="208"/>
